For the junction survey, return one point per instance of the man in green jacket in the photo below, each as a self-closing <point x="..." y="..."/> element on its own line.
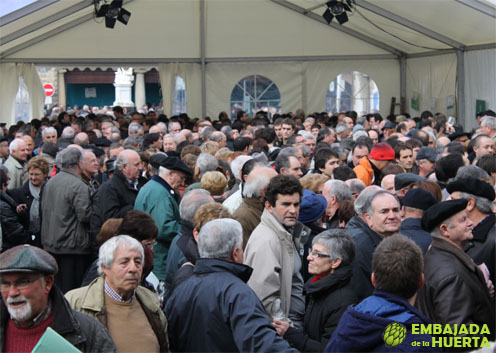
<point x="160" y="199"/>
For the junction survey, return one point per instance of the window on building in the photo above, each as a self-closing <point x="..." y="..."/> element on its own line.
<point x="255" y="93"/>
<point x="22" y="103"/>
<point x="179" y="97"/>
<point x="352" y="90"/>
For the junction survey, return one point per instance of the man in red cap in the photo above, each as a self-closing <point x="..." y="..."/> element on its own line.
<point x="369" y="169"/>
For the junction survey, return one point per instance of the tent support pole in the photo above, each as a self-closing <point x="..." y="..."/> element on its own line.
<point x="460" y="88"/>
<point x="403" y="104"/>
<point x="202" y="59"/>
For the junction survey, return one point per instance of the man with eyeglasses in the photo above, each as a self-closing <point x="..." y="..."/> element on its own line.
<point x="32" y="303"/>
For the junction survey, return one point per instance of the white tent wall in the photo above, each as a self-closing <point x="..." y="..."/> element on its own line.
<point x="301" y="84"/>
<point x="480" y="83"/>
<point x="433" y="80"/>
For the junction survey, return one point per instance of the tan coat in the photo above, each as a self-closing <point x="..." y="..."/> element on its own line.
<point x="270" y="253"/>
<point x="17" y="173"/>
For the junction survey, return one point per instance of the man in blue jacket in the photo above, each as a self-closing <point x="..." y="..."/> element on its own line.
<point x="215" y="310"/>
<point x="397" y="276"/>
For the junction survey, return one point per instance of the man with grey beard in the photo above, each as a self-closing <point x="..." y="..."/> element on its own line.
<point x="32" y="303"/>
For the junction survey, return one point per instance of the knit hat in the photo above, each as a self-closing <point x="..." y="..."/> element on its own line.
<point x="382" y="151"/>
<point x="312" y="206"/>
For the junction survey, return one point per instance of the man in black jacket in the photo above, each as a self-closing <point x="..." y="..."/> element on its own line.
<point x="31" y="303"/>
<point x="116" y="196"/>
<point x="455" y="291"/>
<point x="215" y="310"/>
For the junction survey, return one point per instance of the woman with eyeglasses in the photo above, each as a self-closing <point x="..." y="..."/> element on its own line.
<point x="328" y="291"/>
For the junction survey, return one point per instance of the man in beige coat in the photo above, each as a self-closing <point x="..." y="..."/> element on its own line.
<point x="275" y="248"/>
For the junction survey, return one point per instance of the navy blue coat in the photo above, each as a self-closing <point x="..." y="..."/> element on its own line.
<point x="361" y="327"/>
<point x="216" y="311"/>
<point x="411" y="227"/>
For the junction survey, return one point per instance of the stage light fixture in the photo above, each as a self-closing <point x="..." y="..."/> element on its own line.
<point x="112" y="12"/>
<point x="337" y="9"/>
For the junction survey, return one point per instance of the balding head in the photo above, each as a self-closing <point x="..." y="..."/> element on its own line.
<point x="129" y="163"/>
<point x="257" y="181"/>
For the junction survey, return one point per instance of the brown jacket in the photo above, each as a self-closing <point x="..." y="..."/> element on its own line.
<point x="248" y="214"/>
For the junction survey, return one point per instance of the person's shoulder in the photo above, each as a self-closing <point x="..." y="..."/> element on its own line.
<point x="148" y="298"/>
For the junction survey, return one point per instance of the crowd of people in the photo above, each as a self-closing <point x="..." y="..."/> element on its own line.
<point x="135" y="232"/>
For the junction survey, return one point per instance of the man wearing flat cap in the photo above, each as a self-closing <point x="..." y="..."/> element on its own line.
<point x="426" y="160"/>
<point x="480" y="196"/>
<point x="369" y="169"/>
<point x="160" y="198"/>
<point x="415" y="202"/>
<point x="455" y="290"/>
<point x="32" y="303"/>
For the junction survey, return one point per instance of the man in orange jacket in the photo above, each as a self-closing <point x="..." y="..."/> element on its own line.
<point x="369" y="169"/>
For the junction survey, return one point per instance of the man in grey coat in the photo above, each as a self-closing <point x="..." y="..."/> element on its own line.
<point x="65" y="215"/>
<point x="15" y="163"/>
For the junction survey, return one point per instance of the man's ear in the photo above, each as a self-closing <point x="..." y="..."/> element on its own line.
<point x="195" y="234"/>
<point x="368" y="219"/>
<point x="470" y="204"/>
<point x="421" y="282"/>
<point x="49" y="283"/>
<point x="372" y="279"/>
<point x="268" y="206"/>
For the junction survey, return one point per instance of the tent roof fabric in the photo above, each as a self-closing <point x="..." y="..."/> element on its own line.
<point x="66" y="31"/>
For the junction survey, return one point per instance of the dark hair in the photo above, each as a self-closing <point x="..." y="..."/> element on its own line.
<point x="398" y="265"/>
<point x="392" y="169"/>
<point x="240" y="144"/>
<point x="455" y="147"/>
<point x="283" y="161"/>
<point x="267" y="134"/>
<point x="289" y="121"/>
<point x="363" y="141"/>
<point x="322" y="156"/>
<point x="4" y="179"/>
<point x="346" y="211"/>
<point x="248" y="166"/>
<point x="488" y="163"/>
<point x="282" y="185"/>
<point x="430" y="186"/>
<point x="447" y="166"/>
<point x="413" y="143"/>
<point x="344" y="173"/>
<point x="400" y="147"/>
<point x="139" y="225"/>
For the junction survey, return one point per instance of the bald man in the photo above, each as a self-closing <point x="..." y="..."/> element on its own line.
<point x="117" y="195"/>
<point x="251" y="209"/>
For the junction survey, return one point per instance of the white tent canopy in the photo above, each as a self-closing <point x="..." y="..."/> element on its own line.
<point x="435" y="51"/>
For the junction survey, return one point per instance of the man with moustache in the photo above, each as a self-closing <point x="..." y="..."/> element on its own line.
<point x="32" y="303"/>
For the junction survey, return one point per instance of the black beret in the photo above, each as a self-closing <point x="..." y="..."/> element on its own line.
<point x="3" y="138"/>
<point x="157" y="158"/>
<point x="102" y="142"/>
<point x="389" y="125"/>
<point x="110" y="164"/>
<point x="458" y="134"/>
<point x="438" y="213"/>
<point x="419" y="198"/>
<point x="174" y="163"/>
<point x="472" y="186"/>
<point x="404" y="179"/>
<point x="27" y="258"/>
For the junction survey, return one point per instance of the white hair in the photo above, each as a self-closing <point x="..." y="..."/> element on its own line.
<point x="237" y="165"/>
<point x="218" y="238"/>
<point x="68" y="132"/>
<point x="14" y="144"/>
<point x="48" y="130"/>
<point x="106" y="253"/>
<point x="255" y="186"/>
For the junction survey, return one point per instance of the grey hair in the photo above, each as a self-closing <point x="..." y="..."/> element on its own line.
<point x="356" y="186"/>
<point x="171" y="125"/>
<point x="360" y="133"/>
<point x="206" y="163"/>
<point x="218" y="238"/>
<point x="172" y="136"/>
<point x="162" y="171"/>
<point x="305" y="150"/>
<point x="85" y="151"/>
<point x="217" y="136"/>
<point x="308" y="136"/>
<point x="207" y="132"/>
<point x="255" y="186"/>
<point x="69" y="158"/>
<point x="481" y="203"/>
<point x="82" y="139"/>
<point x="368" y="204"/>
<point x="309" y="119"/>
<point x="14" y="144"/>
<point x="115" y="137"/>
<point x="283" y="160"/>
<point x="339" y="189"/>
<point x="361" y="201"/>
<point x="489" y="121"/>
<point x="192" y="201"/>
<point x="132" y="142"/>
<point x="341" y="127"/>
<point x="48" y="130"/>
<point x="339" y="245"/>
<point x="106" y="254"/>
<point x="237" y="165"/>
<point x="226" y="130"/>
<point x="361" y="120"/>
<point x="472" y="171"/>
<point x="134" y="128"/>
<point x="68" y="132"/>
<point x="121" y="159"/>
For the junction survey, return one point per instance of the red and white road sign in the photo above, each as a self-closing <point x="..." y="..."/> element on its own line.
<point x="49" y="89"/>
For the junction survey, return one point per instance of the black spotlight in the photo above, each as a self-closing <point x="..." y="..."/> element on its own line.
<point x="112" y="12"/>
<point x="337" y="8"/>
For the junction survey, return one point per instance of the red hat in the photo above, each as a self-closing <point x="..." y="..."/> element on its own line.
<point x="382" y="151"/>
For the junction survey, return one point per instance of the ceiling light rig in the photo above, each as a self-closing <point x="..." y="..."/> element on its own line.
<point x="338" y="8"/>
<point x="112" y="12"/>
